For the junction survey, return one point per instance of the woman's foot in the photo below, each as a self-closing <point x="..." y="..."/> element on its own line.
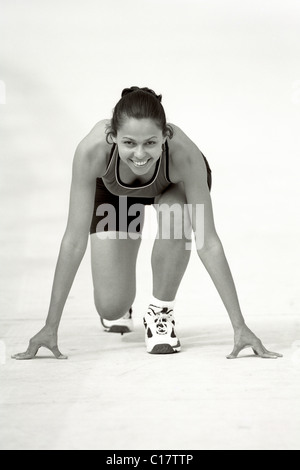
<point x="122" y="325"/>
<point x="160" y="331"/>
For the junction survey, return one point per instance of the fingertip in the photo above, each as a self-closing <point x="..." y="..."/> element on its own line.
<point x="277" y="354"/>
<point x="17" y="356"/>
<point x="59" y="355"/>
<point x="62" y="357"/>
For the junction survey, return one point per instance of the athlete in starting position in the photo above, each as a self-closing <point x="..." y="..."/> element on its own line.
<point x="124" y="163"/>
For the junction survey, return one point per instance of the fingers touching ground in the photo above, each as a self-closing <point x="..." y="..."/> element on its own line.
<point x="258" y="349"/>
<point x="33" y="349"/>
<point x="235" y="352"/>
<point x="57" y="353"/>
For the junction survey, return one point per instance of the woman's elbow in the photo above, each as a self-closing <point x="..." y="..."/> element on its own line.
<point x="209" y="244"/>
<point x="74" y="242"/>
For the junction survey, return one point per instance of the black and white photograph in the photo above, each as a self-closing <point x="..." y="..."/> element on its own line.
<point x="149" y="227"/>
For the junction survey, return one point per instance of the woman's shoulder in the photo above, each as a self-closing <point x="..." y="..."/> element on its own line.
<point x="181" y="145"/>
<point x="180" y="140"/>
<point x="97" y="136"/>
<point x="95" y="143"/>
<point x="93" y="149"/>
<point x="182" y="150"/>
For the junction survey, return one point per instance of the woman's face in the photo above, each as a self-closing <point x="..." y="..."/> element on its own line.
<point x="140" y="144"/>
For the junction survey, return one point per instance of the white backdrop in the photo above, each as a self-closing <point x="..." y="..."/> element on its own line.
<point x="229" y="73"/>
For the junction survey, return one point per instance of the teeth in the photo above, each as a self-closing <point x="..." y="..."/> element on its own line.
<point x="140" y="163"/>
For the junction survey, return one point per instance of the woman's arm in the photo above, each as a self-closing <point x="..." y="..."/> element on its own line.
<point x="191" y="167"/>
<point x="74" y="242"/>
<point x="209" y="246"/>
<point x="73" y="246"/>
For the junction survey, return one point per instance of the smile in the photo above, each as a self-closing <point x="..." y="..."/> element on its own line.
<point x="139" y="164"/>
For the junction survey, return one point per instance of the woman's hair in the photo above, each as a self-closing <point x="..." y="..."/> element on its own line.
<point x="139" y="103"/>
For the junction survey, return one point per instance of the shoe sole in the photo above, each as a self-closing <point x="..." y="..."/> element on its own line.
<point x="165" y="349"/>
<point x="118" y="329"/>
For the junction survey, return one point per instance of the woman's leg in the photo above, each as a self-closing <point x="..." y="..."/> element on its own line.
<point x="114" y="273"/>
<point x="170" y="257"/>
<point x="114" y="252"/>
<point x="172" y="247"/>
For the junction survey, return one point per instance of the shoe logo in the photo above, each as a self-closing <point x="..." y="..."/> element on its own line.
<point x="161" y="326"/>
<point x="162" y="320"/>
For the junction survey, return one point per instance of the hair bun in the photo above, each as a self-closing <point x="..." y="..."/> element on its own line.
<point x="126" y="91"/>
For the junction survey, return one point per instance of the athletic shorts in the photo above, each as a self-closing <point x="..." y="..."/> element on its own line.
<point x="122" y="213"/>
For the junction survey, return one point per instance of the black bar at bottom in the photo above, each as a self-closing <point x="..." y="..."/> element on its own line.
<point x="149" y="458"/>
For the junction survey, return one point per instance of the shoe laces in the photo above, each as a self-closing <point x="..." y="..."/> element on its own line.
<point x="162" y="319"/>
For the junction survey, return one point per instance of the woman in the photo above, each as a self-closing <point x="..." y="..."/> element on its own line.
<point x="137" y="159"/>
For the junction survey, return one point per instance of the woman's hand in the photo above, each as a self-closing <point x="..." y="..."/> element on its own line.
<point x="244" y="338"/>
<point x="46" y="338"/>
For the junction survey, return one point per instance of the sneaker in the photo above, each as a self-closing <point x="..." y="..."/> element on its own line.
<point x="160" y="331"/>
<point x="122" y="325"/>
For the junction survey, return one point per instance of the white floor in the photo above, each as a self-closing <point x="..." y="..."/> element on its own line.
<point x="110" y="394"/>
<point x="233" y="86"/>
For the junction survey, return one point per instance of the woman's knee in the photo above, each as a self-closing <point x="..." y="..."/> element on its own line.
<point x="174" y="222"/>
<point x="173" y="215"/>
<point x="113" y="308"/>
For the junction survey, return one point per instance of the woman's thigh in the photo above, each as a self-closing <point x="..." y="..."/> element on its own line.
<point x="113" y="262"/>
<point x="172" y="213"/>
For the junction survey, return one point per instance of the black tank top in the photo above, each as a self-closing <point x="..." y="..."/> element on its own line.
<point x="158" y="183"/>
